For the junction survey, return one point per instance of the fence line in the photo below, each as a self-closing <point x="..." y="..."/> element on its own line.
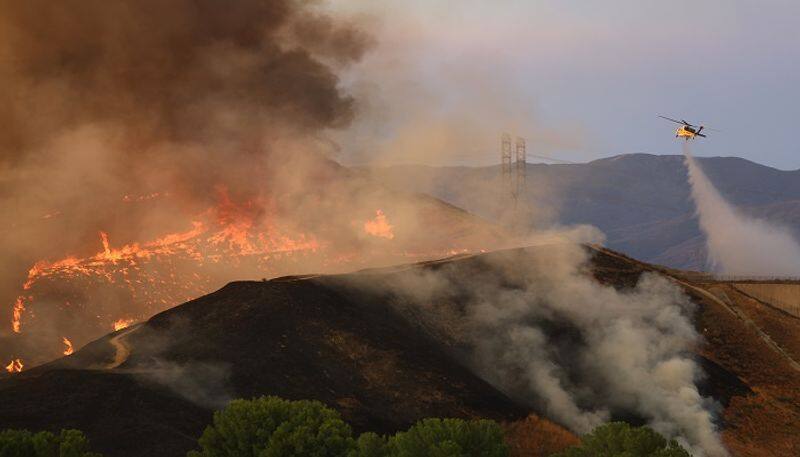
<point x="770" y="294"/>
<point x="754" y="278"/>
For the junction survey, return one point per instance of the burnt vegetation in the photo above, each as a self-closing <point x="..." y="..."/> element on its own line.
<point x="152" y="388"/>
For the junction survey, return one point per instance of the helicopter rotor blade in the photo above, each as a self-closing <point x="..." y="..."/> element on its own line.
<point x="673" y="120"/>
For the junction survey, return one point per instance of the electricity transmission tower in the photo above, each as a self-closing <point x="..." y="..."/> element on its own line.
<point x="513" y="167"/>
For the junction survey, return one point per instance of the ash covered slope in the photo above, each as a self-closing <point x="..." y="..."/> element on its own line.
<point x="352" y="342"/>
<point x="149" y="390"/>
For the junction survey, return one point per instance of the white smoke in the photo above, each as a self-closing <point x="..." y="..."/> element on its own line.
<point x="205" y="384"/>
<point x="738" y="244"/>
<point x="544" y="331"/>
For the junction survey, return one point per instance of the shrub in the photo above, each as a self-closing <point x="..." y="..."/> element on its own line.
<point x="370" y="445"/>
<point x="273" y="427"/>
<point x="449" y="437"/>
<point x="22" y="443"/>
<point x="619" y="439"/>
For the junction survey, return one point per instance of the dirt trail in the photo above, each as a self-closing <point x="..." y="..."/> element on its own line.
<point x="121" y="348"/>
<point x="726" y="303"/>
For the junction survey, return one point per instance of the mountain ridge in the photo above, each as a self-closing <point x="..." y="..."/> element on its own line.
<point x="642" y="202"/>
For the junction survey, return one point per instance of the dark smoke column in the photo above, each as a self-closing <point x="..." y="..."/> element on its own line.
<point x="105" y="98"/>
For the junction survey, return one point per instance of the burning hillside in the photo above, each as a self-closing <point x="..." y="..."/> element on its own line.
<point x="150" y="271"/>
<point x="81" y="297"/>
<point x="151" y="153"/>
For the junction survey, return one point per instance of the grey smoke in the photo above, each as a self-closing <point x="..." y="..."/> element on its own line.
<point x="202" y="383"/>
<point x="739" y="244"/>
<point x="545" y="332"/>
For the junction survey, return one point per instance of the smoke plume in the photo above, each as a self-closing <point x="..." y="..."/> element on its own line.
<point x="738" y="244"/>
<point x="538" y="326"/>
<point x="106" y="99"/>
<point x="205" y="384"/>
<point x="151" y="152"/>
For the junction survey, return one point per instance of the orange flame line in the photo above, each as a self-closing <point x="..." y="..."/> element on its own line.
<point x="68" y="349"/>
<point x="15" y="366"/>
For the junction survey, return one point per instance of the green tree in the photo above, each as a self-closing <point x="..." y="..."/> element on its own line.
<point x="619" y="439"/>
<point x="449" y="438"/>
<point x="370" y="445"/>
<point x="73" y="443"/>
<point x="22" y="443"/>
<point x="273" y="427"/>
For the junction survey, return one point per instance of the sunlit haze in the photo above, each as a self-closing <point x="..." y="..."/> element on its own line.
<point x="584" y="80"/>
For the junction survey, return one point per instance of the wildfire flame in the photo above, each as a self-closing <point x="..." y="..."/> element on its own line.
<point x="170" y="268"/>
<point x="120" y="324"/>
<point x="379" y="226"/>
<point x="229" y="231"/>
<point x="67" y="346"/>
<point x="16" y="319"/>
<point x="15" y="366"/>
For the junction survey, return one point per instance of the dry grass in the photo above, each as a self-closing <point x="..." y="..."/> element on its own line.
<point x="537" y="437"/>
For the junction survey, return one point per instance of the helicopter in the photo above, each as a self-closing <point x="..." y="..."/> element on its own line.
<point x="686" y="130"/>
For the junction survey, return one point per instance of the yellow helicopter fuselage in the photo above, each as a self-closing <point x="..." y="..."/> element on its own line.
<point x="684" y="132"/>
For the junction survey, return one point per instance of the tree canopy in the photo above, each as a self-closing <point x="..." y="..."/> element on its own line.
<point x="449" y="438"/>
<point x="23" y="443"/>
<point x="619" y="439"/>
<point x="273" y="427"/>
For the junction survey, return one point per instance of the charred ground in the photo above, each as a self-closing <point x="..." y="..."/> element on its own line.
<point x="151" y="389"/>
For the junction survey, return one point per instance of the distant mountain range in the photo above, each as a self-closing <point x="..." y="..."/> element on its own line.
<point x="641" y="202"/>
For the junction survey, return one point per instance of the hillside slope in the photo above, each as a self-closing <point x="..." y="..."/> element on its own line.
<point x="150" y="389"/>
<point x="346" y="340"/>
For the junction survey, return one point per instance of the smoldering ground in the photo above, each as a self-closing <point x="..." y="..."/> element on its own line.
<point x="538" y="326"/>
<point x="737" y="243"/>
<point x="203" y="382"/>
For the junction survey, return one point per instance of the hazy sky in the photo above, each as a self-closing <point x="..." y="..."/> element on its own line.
<point x="580" y="79"/>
